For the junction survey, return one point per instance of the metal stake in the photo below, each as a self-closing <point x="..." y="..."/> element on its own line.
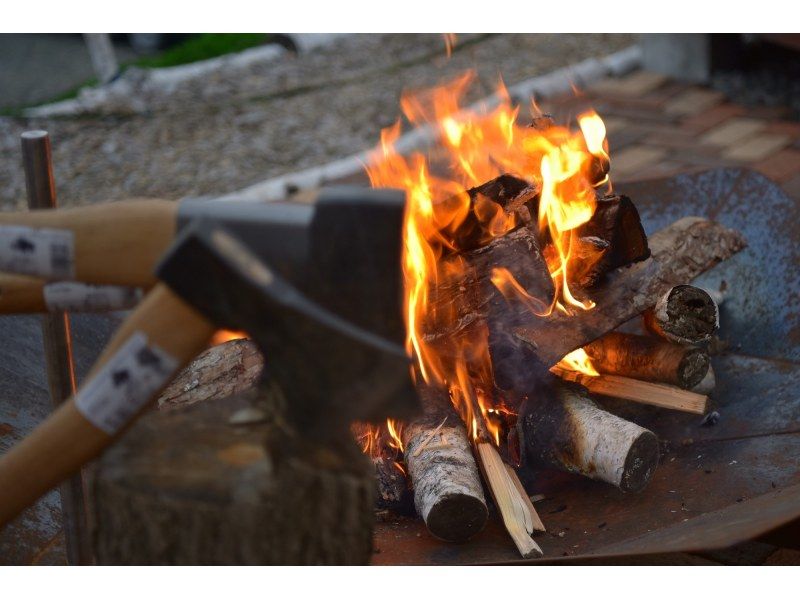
<point x="40" y="184"/>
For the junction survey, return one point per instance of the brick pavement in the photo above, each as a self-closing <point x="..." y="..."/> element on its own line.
<point x="659" y="127"/>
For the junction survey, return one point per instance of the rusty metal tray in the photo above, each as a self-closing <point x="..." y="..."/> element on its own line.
<point x="716" y="486"/>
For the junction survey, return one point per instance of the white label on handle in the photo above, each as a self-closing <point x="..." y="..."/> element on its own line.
<point x="78" y="296"/>
<point x="125" y="384"/>
<point x="45" y="252"/>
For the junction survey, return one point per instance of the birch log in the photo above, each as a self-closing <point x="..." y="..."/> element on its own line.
<point x="648" y="358"/>
<point x="685" y="315"/>
<point x="448" y="494"/>
<point x="561" y="427"/>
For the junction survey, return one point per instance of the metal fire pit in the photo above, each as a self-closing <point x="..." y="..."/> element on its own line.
<point x="716" y="486"/>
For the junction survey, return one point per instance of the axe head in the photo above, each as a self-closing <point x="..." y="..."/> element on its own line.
<point x="331" y="369"/>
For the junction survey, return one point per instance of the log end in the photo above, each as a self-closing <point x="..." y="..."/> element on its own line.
<point x="693" y="368"/>
<point x="457" y="517"/>
<point x="640" y="463"/>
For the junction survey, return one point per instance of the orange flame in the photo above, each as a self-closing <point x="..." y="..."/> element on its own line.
<point x="223" y="336"/>
<point x="578" y="361"/>
<point x="476" y="146"/>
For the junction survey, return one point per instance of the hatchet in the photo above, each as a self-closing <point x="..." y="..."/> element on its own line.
<point x="336" y="353"/>
<point x="119" y="243"/>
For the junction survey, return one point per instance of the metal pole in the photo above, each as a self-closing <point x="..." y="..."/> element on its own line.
<point x="40" y="184"/>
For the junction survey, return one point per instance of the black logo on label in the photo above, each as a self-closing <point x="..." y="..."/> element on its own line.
<point x="23" y="245"/>
<point x="147" y="358"/>
<point x="120" y="377"/>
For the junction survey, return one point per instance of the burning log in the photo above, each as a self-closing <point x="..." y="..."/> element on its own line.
<point x="561" y="427"/>
<point x="448" y="493"/>
<point x="680" y="252"/>
<point x="639" y="391"/>
<point x="684" y="314"/>
<point x="647" y="358"/>
<point x="390" y="477"/>
<point x="616" y="222"/>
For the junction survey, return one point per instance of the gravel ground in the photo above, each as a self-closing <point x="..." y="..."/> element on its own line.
<point x="234" y="129"/>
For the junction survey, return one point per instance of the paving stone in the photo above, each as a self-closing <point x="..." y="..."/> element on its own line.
<point x="693" y="101"/>
<point x="635" y="158"/>
<point x="782" y="166"/>
<point x="636" y="84"/>
<point x="702" y="121"/>
<point x="786" y="127"/>
<point x="757" y="148"/>
<point x="733" y="131"/>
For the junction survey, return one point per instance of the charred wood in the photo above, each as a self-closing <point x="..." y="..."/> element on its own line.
<point x="647" y="358"/>
<point x="684" y="314"/>
<point x="615" y="221"/>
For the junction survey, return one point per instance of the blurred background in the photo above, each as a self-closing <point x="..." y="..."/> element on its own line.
<point x="174" y="115"/>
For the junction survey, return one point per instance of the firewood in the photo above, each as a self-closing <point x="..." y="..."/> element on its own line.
<point x="447" y="487"/>
<point x="684" y="314"/>
<point x="508" y="194"/>
<point x="519" y="516"/>
<point x="219" y="372"/>
<point x="615" y="221"/>
<point x="707" y="385"/>
<point x="647" y="393"/>
<point x="393" y="492"/>
<point x="647" y="358"/>
<point x="680" y="252"/>
<point x="561" y="427"/>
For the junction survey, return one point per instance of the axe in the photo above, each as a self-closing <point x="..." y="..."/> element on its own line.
<point x="119" y="243"/>
<point x="335" y="351"/>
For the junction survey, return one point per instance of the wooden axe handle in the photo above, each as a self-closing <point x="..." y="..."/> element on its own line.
<point x="174" y="334"/>
<point x="21" y="294"/>
<point x="114" y="243"/>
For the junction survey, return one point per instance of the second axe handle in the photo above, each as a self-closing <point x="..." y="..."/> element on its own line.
<point x="113" y="243"/>
<point x="21" y="294"/>
<point x="169" y="334"/>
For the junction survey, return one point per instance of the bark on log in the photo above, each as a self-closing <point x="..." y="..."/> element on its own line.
<point x="680" y="252"/>
<point x="647" y="358"/>
<point x="561" y="427"/>
<point x="684" y="314"/>
<point x="448" y="493"/>
<point x="219" y="372"/>
<point x="186" y="487"/>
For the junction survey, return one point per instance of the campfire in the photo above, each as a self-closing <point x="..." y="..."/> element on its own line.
<point x="519" y="264"/>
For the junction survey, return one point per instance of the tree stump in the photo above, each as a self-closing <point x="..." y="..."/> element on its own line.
<point x="223" y="482"/>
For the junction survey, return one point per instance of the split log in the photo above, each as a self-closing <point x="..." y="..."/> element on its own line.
<point x="561" y="427"/>
<point x="647" y="358"/>
<point x="220" y="371"/>
<point x="447" y="486"/>
<point x="639" y="391"/>
<point x="684" y="314"/>
<point x="615" y="221"/>
<point x="188" y="487"/>
<point x="680" y="252"/>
